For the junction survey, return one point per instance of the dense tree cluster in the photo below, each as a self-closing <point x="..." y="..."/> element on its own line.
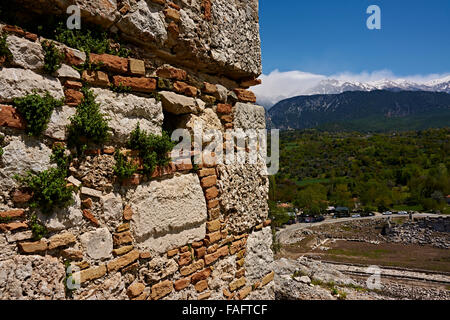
<point x="404" y="171"/>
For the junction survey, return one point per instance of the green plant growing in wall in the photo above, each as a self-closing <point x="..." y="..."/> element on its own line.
<point x="88" y="123"/>
<point x="4" y="51"/>
<point x="39" y="231"/>
<point x="123" y="168"/>
<point x="2" y="141"/>
<point x="88" y="40"/>
<point x="49" y="187"/>
<point x="120" y="88"/>
<point x="36" y="110"/>
<point x="153" y="149"/>
<point x="53" y="57"/>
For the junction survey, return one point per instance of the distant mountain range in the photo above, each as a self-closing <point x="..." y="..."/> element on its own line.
<point x="365" y="111"/>
<point x="333" y="86"/>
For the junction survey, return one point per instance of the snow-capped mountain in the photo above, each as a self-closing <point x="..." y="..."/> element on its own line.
<point x="332" y="86"/>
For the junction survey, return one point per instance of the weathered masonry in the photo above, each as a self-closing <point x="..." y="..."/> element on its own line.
<point x="182" y="231"/>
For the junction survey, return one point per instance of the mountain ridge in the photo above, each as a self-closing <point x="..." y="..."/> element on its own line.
<point x="378" y="110"/>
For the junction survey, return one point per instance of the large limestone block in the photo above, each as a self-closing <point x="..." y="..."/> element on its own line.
<point x="98" y="244"/>
<point x="244" y="194"/>
<point x="63" y="218"/>
<point x="249" y="116"/>
<point x="112" y="209"/>
<point x="125" y="111"/>
<point x="32" y="278"/>
<point x="179" y="104"/>
<point x="208" y="120"/>
<point x="234" y="37"/>
<point x="144" y="22"/>
<point x="25" y="54"/>
<point x="17" y="83"/>
<point x="22" y="154"/>
<point x="168" y="213"/>
<point x="60" y="119"/>
<point x="259" y="255"/>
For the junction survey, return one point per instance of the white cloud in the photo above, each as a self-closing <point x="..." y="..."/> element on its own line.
<point x="277" y="85"/>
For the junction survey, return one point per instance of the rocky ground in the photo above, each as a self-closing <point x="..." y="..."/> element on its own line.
<point x="306" y="279"/>
<point x="413" y="233"/>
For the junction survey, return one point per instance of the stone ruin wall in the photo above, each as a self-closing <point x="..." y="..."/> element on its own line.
<point x="187" y="232"/>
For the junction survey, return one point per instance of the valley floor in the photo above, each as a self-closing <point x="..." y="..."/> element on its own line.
<point x="330" y="260"/>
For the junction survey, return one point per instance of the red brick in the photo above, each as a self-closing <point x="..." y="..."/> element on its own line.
<point x="172" y="253"/>
<point x="173" y="29"/>
<point x="206" y="172"/>
<point x="206" y="8"/>
<point x="135" y="180"/>
<point x="245" y="95"/>
<point x="184" y="88"/>
<point x="13" y="226"/>
<point x="209" y="88"/>
<point x="31" y="36"/>
<point x="127" y="213"/>
<point x="227" y="118"/>
<point x="110" y="62"/>
<point x="122" y="238"/>
<point x="11" y="214"/>
<point x="96" y="78"/>
<point x="87" y="204"/>
<point x="171" y="73"/>
<point x="20" y="197"/>
<point x="211" y="193"/>
<point x="200" y="252"/>
<point x="202" y="275"/>
<point x="13" y="29"/>
<point x="73" y="85"/>
<point x="222" y="252"/>
<point x="136" y="84"/>
<point x="173" y="14"/>
<point x="9" y="117"/>
<point x="71" y="58"/>
<point x="182" y="283"/>
<point x="197" y="244"/>
<point x="88" y="215"/>
<point x="33" y="247"/>
<point x="73" y="97"/>
<point x="251" y="83"/>
<point x="213" y="203"/>
<point x="224" y="108"/>
<point x="201" y="286"/>
<point x="173" y="5"/>
<point x="209" y="181"/>
<point x="185" y="259"/>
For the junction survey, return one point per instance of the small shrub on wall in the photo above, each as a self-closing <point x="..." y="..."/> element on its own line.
<point x="153" y="149"/>
<point x="88" y="124"/>
<point x="49" y="187"/>
<point x="36" y="110"/>
<point x="53" y="57"/>
<point x="4" y="51"/>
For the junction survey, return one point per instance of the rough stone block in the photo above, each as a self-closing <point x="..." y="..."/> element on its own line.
<point x="157" y="223"/>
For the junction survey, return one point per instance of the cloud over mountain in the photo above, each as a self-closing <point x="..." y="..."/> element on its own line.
<point x="277" y="85"/>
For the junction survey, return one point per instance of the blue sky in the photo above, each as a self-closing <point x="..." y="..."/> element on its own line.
<point x="305" y="42"/>
<point x="330" y="36"/>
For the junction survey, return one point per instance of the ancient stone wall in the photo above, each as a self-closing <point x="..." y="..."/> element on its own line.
<point x="183" y="232"/>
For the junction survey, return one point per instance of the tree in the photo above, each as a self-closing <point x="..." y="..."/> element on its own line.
<point x="312" y="199"/>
